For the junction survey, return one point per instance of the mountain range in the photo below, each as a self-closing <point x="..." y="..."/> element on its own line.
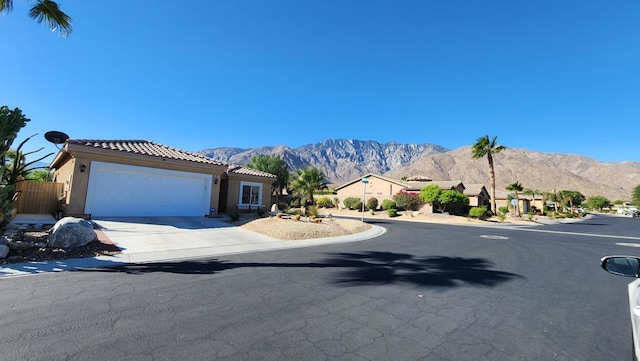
<point x="343" y="160"/>
<point x="340" y="160"/>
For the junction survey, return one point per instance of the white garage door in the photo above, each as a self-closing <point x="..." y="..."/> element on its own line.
<point x="117" y="190"/>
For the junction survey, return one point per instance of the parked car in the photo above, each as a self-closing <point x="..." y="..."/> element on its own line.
<point x="628" y="266"/>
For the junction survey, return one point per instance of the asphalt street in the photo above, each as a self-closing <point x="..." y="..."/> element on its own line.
<point x="421" y="291"/>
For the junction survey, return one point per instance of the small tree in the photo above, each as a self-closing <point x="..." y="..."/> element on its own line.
<point x="635" y="196"/>
<point x="449" y="198"/>
<point x="372" y="203"/>
<point x="430" y="193"/>
<point x="598" y="202"/>
<point x="274" y="165"/>
<point x="308" y="180"/>
<point x="13" y="164"/>
<point x="516" y="187"/>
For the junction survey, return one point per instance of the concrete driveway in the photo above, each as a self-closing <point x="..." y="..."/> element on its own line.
<point x="150" y="239"/>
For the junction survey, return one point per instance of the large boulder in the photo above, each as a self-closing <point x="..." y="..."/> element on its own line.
<point x="4" y="250"/>
<point x="72" y="232"/>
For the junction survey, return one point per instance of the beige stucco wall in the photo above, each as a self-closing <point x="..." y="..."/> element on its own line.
<point x="77" y="182"/>
<point x="233" y="191"/>
<point x="379" y="188"/>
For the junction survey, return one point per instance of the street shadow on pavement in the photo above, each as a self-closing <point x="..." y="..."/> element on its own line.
<point x="377" y="268"/>
<point x="366" y="268"/>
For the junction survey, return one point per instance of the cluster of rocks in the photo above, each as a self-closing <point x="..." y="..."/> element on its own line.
<point x="67" y="233"/>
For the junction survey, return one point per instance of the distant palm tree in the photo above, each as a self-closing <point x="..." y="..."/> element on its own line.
<point x="308" y="180"/>
<point x="516" y="187"/>
<point x="47" y="11"/>
<point x="487" y="148"/>
<point x="533" y="193"/>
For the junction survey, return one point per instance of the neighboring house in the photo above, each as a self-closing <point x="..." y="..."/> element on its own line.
<point x="118" y="178"/>
<point x="383" y="188"/>
<point x="378" y="186"/>
<point x="502" y="200"/>
<point x="478" y="195"/>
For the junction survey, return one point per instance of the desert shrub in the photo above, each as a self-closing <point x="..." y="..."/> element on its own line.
<point x="311" y="211"/>
<point x="503" y="210"/>
<point x="317" y="220"/>
<point x="296" y="217"/>
<point x="502" y="216"/>
<point x="372" y="211"/>
<point x="530" y="215"/>
<point x="372" y="203"/>
<point x="479" y="212"/>
<point x="352" y="203"/>
<point x="294" y="212"/>
<point x="388" y="204"/>
<point x="295" y="203"/>
<point x="324" y="202"/>
<point x="233" y="213"/>
<point x="408" y="201"/>
<point x="283" y="206"/>
<point x="392" y="212"/>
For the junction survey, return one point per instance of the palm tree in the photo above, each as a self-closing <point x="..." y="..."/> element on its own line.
<point x="533" y="193"/>
<point x="516" y="187"/>
<point x="487" y="148"/>
<point x="308" y="181"/>
<point x="47" y="11"/>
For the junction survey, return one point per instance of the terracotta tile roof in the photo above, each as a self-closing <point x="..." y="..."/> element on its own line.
<point x="357" y="180"/>
<point x="441" y="184"/>
<point x="238" y="169"/>
<point x="145" y="147"/>
<point x="473" y="189"/>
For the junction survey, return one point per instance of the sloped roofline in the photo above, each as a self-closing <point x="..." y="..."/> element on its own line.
<point x="395" y="181"/>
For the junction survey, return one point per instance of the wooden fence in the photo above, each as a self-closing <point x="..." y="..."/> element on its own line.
<point x="38" y="197"/>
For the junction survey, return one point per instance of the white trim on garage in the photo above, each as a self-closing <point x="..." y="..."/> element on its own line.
<point x="125" y="190"/>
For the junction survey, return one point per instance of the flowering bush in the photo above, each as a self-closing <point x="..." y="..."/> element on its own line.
<point x="408" y="201"/>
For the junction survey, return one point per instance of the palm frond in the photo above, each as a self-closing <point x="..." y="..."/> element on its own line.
<point x="6" y="5"/>
<point x="49" y="12"/>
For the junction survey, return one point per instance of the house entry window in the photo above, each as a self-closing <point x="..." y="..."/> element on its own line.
<point x="250" y="194"/>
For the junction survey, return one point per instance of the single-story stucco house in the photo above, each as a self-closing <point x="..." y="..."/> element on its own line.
<point x="122" y="178"/>
<point x="478" y="195"/>
<point x="383" y="188"/>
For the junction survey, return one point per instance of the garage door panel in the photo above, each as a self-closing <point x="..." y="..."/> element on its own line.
<point x="120" y="190"/>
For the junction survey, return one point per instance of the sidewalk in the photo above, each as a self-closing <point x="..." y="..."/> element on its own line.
<point x="146" y="240"/>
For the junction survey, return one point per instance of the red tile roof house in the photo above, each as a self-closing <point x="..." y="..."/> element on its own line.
<point x="124" y="178"/>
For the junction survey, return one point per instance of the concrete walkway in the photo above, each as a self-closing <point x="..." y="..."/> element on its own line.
<point x="145" y="240"/>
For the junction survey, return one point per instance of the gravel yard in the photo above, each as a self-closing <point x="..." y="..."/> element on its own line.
<point x="290" y="229"/>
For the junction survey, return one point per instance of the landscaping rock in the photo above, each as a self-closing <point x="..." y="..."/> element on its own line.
<point x="5" y="239"/>
<point x="19" y="246"/>
<point x="72" y="232"/>
<point x="4" y="250"/>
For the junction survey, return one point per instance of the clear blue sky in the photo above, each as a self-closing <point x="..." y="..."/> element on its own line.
<point x="549" y="76"/>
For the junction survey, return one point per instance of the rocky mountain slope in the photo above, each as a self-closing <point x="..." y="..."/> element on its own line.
<point x="341" y="160"/>
<point x="534" y="170"/>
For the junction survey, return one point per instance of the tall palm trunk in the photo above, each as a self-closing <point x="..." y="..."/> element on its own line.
<point x="492" y="175"/>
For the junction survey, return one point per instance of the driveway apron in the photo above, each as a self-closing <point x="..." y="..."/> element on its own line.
<point x="144" y="239"/>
